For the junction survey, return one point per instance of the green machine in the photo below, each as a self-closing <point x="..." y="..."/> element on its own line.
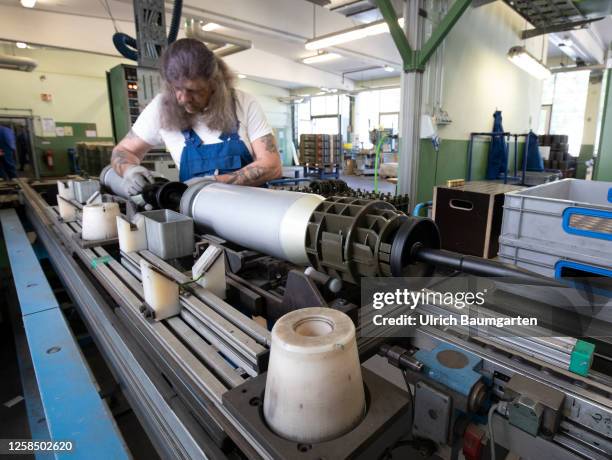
<point x="122" y="83"/>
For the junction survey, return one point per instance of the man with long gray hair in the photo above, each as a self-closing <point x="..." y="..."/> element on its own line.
<point x="210" y="128"/>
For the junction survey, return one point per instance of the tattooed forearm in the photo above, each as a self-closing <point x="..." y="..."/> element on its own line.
<point x="267" y="165"/>
<point x="122" y="156"/>
<point x="120" y="160"/>
<point x="249" y="175"/>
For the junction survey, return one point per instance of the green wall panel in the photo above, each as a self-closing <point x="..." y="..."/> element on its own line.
<point x="427" y="172"/>
<point x="451" y="163"/>
<point x="60" y="146"/>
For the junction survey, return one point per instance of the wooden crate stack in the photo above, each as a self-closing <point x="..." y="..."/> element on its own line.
<point x="320" y="149"/>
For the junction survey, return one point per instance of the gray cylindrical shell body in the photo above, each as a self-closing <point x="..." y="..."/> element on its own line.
<point x="273" y="222"/>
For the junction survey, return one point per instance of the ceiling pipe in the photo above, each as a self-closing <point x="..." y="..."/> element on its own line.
<point x="578" y="68"/>
<point x="226" y="45"/>
<point x="247" y="26"/>
<point x="17" y="63"/>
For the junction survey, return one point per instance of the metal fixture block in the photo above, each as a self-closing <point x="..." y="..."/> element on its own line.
<point x="169" y="234"/>
<point x="526" y="414"/>
<point x="84" y="189"/>
<point x="387" y="420"/>
<point x="432" y="413"/>
<point x="549" y="399"/>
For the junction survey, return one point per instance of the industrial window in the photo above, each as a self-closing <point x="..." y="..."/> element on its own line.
<point x="544" y="124"/>
<point x="324" y="105"/>
<point x="323" y="115"/>
<point x="326" y="125"/>
<point x="373" y="110"/>
<point x="567" y="92"/>
<point x="304" y="121"/>
<point x="389" y="121"/>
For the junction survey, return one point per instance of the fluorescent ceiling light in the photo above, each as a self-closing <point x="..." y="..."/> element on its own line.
<point x="348" y="35"/>
<point x="21" y="45"/>
<point x="388" y="68"/>
<point x="241" y="76"/>
<point x="521" y="58"/>
<point x="323" y="57"/>
<point x="210" y="26"/>
<point x="28" y="3"/>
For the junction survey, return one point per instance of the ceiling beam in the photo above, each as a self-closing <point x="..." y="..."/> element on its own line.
<point x="576" y="25"/>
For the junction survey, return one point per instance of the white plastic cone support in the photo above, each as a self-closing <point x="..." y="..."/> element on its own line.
<point x="161" y="293"/>
<point x="66" y="209"/>
<point x="314" y="389"/>
<point x="99" y="221"/>
<point x="209" y="271"/>
<point x="132" y="236"/>
<point x="65" y="189"/>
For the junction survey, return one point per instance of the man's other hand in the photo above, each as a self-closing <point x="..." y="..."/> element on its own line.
<point x="135" y="178"/>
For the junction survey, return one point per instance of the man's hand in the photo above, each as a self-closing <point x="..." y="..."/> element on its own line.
<point x="1" y="153"/>
<point x="135" y="178"/>
<point x="267" y="165"/>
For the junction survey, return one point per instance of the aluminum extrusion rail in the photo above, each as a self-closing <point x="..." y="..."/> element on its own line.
<point x="200" y="389"/>
<point x="230" y="335"/>
<point x="168" y="433"/>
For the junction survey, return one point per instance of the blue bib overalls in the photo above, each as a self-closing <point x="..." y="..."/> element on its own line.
<point x="198" y="159"/>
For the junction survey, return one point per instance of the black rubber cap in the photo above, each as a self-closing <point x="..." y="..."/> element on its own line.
<point x="169" y="195"/>
<point x="414" y="233"/>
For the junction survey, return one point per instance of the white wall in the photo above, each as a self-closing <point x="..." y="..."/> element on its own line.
<point x="278" y="113"/>
<point x="94" y="33"/>
<point x="75" y="80"/>
<point x="77" y="83"/>
<point x="478" y="78"/>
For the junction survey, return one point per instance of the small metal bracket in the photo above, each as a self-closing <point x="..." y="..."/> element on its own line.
<point x="432" y="413"/>
<point x="300" y="292"/>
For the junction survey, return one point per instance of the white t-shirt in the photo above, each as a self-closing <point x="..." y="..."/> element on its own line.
<point x="253" y="125"/>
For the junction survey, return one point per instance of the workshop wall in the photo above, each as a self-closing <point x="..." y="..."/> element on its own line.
<point x="75" y="80"/>
<point x="64" y="74"/>
<point x="476" y="69"/>
<point x="278" y="113"/>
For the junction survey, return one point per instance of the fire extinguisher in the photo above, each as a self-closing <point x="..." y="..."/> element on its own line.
<point x="48" y="158"/>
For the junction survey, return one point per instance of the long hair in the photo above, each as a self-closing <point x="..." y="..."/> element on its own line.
<point x="189" y="59"/>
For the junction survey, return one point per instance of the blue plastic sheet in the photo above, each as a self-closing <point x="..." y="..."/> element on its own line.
<point x="498" y="153"/>
<point x="534" y="159"/>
